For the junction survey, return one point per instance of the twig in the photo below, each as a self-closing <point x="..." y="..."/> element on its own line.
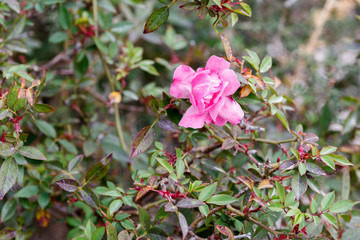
<point x="237" y="212"/>
<point x="151" y="205"/>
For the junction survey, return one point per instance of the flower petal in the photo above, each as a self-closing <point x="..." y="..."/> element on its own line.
<point x="231" y="111"/>
<point x="192" y="118"/>
<point x="200" y="88"/>
<point x="228" y="75"/>
<point x="181" y="87"/>
<point x="216" y="64"/>
<point x="214" y="110"/>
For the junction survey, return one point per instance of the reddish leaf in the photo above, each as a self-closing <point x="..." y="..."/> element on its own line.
<point x="69" y="185"/>
<point x="142" y="141"/>
<point x="225" y="231"/>
<point x="227" y="47"/>
<point x="142" y="193"/>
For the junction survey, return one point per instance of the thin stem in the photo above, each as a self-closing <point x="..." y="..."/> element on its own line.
<point x="215" y="210"/>
<point x="151" y="205"/>
<point x="112" y="85"/>
<point x="115" y="105"/>
<point x="237" y="212"/>
<point x="269" y="141"/>
<point x="95" y="12"/>
<point x="197" y="220"/>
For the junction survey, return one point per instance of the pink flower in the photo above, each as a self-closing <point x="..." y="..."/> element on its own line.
<point x="209" y="90"/>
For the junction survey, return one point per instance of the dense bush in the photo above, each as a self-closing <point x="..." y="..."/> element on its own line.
<point x="122" y="119"/>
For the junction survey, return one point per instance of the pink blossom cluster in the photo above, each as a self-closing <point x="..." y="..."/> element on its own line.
<point x="209" y="90"/>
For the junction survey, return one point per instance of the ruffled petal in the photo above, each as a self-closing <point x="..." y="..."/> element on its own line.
<point x="219" y="121"/>
<point x="231" y="111"/>
<point x="181" y="86"/>
<point x="230" y="77"/>
<point x="200" y="88"/>
<point x="192" y="118"/>
<point x="214" y="110"/>
<point x="216" y="64"/>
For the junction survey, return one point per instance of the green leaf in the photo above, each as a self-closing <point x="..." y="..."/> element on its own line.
<point x="206" y="193"/>
<point x="165" y="164"/>
<point x="101" y="46"/>
<point x="327" y="201"/>
<point x="191" y="6"/>
<point x="345" y="183"/>
<point x="43" y="108"/>
<point x="98" y="233"/>
<point x="180" y="168"/>
<point x="46" y="128"/>
<point x="27" y="192"/>
<point x="246" y="8"/>
<point x="276" y="207"/>
<point x="110" y="231"/>
<point x="281" y="191"/>
<point x="330" y="219"/>
<point x="292" y="212"/>
<point x="302" y="169"/>
<point x="8" y="175"/>
<point x="58" y="37"/>
<point x="342" y="206"/>
<point x="282" y="119"/>
<point x="327" y="150"/>
<point x="142" y="141"/>
<point x="217" y="2"/>
<point x="299" y="185"/>
<point x="253" y="56"/>
<point x="189" y="203"/>
<point x="75" y="161"/>
<point x="6" y="149"/>
<point x="89" y="228"/>
<point x="314" y="206"/>
<point x="144" y="218"/>
<point x="114" y="206"/>
<point x="156" y="19"/>
<point x="341" y="160"/>
<point x="12" y="95"/>
<point x="204" y="209"/>
<point x="315" y="169"/>
<point x="221" y="199"/>
<point x="44" y="199"/>
<point x="31" y="152"/>
<point x="8" y="210"/>
<point x="99" y="170"/>
<point x="265" y="64"/>
<point x="70" y="147"/>
<point x="19" y="104"/>
<point x="89" y="197"/>
<point x="328" y="161"/>
<point x="64" y="17"/>
<point x="314" y="185"/>
<point x="127" y="224"/>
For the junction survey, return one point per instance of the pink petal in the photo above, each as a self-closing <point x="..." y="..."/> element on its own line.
<point x="214" y="110"/>
<point x="219" y="121"/>
<point x="216" y="64"/>
<point x="192" y="118"/>
<point x="229" y="76"/>
<point x="200" y="88"/>
<point x="231" y="112"/>
<point x="181" y="87"/>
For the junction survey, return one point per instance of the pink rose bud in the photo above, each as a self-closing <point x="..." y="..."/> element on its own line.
<point x="209" y="90"/>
